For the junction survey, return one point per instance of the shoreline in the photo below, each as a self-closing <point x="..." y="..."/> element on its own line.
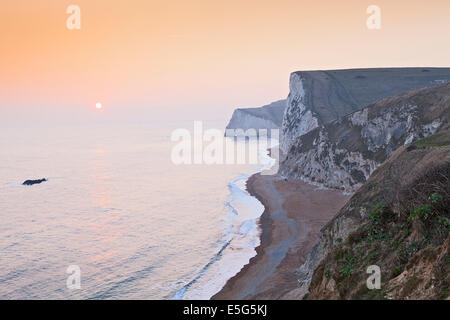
<point x="294" y="213"/>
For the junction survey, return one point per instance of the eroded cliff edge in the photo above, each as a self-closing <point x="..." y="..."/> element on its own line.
<point x="343" y="153"/>
<point x="317" y="97"/>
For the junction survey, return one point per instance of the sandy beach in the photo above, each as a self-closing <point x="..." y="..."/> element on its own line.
<point x="294" y="213"/>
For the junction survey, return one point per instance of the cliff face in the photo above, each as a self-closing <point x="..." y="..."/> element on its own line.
<point x="317" y="97"/>
<point x="382" y="135"/>
<point x="399" y="221"/>
<point x="343" y="153"/>
<point x="266" y="117"/>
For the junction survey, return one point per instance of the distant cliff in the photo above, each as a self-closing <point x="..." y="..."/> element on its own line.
<point x="317" y="97"/>
<point x="343" y="153"/>
<point x="266" y="117"/>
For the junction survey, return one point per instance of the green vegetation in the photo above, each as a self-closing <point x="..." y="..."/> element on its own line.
<point x="385" y="239"/>
<point x="445" y="221"/>
<point x="436" y="197"/>
<point x="376" y="213"/>
<point x="373" y="256"/>
<point x="350" y="263"/>
<point x="397" y="271"/>
<point x="422" y="212"/>
<point x="405" y="233"/>
<point x="435" y="140"/>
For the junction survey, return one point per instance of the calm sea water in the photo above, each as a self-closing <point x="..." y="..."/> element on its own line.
<point x="138" y="226"/>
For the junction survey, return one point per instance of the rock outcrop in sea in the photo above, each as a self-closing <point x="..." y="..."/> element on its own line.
<point x="32" y="182"/>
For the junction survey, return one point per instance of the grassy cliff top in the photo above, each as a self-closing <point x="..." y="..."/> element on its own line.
<point x="336" y="93"/>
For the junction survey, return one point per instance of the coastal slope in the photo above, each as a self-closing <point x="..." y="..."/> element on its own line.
<point x="399" y="221"/>
<point x="430" y="106"/>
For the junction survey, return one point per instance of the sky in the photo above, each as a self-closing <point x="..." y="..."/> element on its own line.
<point x="197" y="59"/>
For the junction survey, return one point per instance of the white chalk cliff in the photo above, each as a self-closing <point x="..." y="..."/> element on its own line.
<point x="318" y="97"/>
<point x="343" y="153"/>
<point x="266" y="117"/>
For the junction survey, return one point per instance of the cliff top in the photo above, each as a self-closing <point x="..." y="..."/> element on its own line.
<point x="334" y="93"/>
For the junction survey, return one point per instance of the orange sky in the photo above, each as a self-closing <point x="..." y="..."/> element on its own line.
<point x="201" y="56"/>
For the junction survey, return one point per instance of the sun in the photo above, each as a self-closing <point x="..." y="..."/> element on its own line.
<point x="98" y="105"/>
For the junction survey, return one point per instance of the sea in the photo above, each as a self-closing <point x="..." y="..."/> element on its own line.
<point x="118" y="211"/>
